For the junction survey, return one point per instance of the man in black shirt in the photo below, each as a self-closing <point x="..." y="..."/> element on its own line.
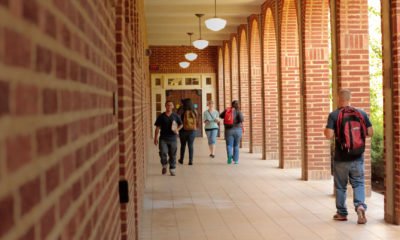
<point x="170" y="124"/>
<point x="347" y="166"/>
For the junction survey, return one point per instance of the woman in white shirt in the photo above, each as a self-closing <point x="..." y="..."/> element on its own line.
<point x="211" y="120"/>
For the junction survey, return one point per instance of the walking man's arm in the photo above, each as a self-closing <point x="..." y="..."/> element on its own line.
<point x="328" y="133"/>
<point x="156" y="135"/>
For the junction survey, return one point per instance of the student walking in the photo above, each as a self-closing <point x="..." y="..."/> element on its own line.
<point x="233" y="119"/>
<point x="350" y="126"/>
<point x="170" y="123"/>
<point x="211" y="120"/>
<point x="188" y="132"/>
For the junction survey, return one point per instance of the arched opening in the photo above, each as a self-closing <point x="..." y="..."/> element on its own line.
<point x="255" y="90"/>
<point x="290" y="85"/>
<point x="221" y="98"/>
<point x="270" y="89"/>
<point x="234" y="69"/>
<point x="227" y="75"/>
<point x="244" y="84"/>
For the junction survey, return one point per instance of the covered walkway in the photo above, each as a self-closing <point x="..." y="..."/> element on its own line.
<point x="252" y="200"/>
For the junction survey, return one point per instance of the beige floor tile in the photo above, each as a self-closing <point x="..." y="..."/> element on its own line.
<point x="253" y="200"/>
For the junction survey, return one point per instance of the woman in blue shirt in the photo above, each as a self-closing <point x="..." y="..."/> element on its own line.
<point x="211" y="120"/>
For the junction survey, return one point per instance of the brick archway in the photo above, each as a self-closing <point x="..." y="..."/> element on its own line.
<point x="255" y="90"/>
<point x="270" y="87"/>
<point x="244" y="82"/>
<point x="290" y="85"/>
<point x="227" y="75"/>
<point x="221" y="94"/>
<point x="234" y="68"/>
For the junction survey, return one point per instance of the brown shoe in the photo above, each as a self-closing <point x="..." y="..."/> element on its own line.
<point x="361" y="215"/>
<point x="164" y="170"/>
<point x="339" y="217"/>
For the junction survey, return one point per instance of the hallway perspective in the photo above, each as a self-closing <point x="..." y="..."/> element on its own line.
<point x="252" y="200"/>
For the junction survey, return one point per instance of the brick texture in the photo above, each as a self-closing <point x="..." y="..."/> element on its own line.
<point x="234" y="67"/>
<point x="353" y="60"/>
<point x="255" y="87"/>
<point x="167" y="59"/>
<point x="61" y="146"/>
<point x="316" y="87"/>
<point x="290" y="85"/>
<point x="227" y="75"/>
<point x="244" y="83"/>
<point x="271" y="148"/>
<point x="221" y="87"/>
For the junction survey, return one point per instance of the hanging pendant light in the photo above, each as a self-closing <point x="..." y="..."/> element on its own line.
<point x="200" y="44"/>
<point x="215" y="24"/>
<point x="191" y="56"/>
<point x="184" y="64"/>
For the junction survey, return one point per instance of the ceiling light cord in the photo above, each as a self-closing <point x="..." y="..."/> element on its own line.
<point x="215" y="8"/>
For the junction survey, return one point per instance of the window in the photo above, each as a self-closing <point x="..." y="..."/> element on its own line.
<point x="158" y="81"/>
<point x="174" y="81"/>
<point x="209" y="97"/>
<point x="191" y="81"/>
<point x="208" y="81"/>
<point x="158" y="105"/>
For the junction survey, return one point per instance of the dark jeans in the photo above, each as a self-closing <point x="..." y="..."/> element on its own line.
<point x="168" y="147"/>
<point x="187" y="137"/>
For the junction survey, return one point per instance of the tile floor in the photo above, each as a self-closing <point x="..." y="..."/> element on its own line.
<point x="252" y="200"/>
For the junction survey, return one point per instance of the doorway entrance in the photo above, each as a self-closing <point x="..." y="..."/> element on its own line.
<point x="176" y="96"/>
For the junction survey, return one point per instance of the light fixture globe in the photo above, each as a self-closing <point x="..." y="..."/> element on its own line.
<point x="191" y="56"/>
<point x="184" y="64"/>
<point x="200" y="44"/>
<point x="215" y="24"/>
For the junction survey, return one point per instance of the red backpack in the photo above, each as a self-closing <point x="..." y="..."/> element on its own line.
<point x="351" y="131"/>
<point x="228" y="119"/>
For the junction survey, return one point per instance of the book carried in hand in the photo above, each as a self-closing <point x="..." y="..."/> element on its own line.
<point x="174" y="126"/>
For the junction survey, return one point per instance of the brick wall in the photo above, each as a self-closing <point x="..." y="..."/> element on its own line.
<point x="220" y="87"/>
<point x="59" y="144"/>
<point x="227" y="75"/>
<point x="316" y="87"/>
<point x="290" y="109"/>
<point x="244" y="83"/>
<point x="234" y="67"/>
<point x="354" y="61"/>
<point x="270" y="82"/>
<point x="167" y="59"/>
<point x="255" y="88"/>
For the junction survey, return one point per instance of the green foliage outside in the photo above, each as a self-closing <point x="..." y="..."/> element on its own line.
<point x="375" y="52"/>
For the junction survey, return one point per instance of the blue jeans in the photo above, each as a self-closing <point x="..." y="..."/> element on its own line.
<point x="168" y="147"/>
<point x="187" y="137"/>
<point x="211" y="136"/>
<point x="342" y="173"/>
<point x="232" y="138"/>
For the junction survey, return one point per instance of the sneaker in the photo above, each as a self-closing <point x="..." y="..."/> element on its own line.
<point x="236" y="162"/>
<point x="172" y="172"/>
<point x="361" y="215"/>
<point x="339" y="217"/>
<point x="164" y="170"/>
<point x="180" y="161"/>
<point x="229" y="159"/>
<point x="190" y="163"/>
<point x="212" y="156"/>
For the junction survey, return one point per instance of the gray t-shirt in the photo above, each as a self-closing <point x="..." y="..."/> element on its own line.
<point x="237" y="119"/>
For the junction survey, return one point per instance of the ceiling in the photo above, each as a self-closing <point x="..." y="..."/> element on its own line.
<point x="168" y="21"/>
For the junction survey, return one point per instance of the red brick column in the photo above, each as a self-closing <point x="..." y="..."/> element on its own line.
<point x="290" y="85"/>
<point x="391" y="99"/>
<point x="244" y="83"/>
<point x="234" y="67"/>
<point x="315" y="31"/>
<point x="353" y="61"/>
<point x="227" y="75"/>
<point x="255" y="90"/>
<point x="270" y="82"/>
<point x="221" y="87"/>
